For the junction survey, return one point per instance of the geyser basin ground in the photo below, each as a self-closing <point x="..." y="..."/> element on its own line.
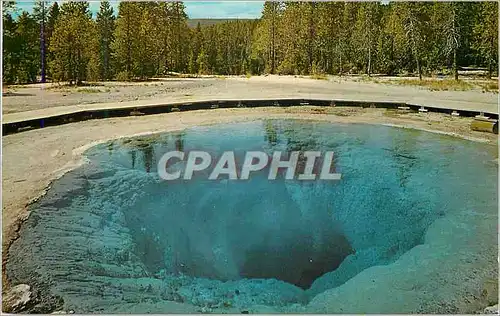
<point x="410" y="227"/>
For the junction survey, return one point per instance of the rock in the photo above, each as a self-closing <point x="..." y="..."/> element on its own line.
<point x="491" y="309"/>
<point x="206" y="310"/>
<point x="16" y="298"/>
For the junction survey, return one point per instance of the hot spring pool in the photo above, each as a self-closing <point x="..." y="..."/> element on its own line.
<point x="410" y="227"/>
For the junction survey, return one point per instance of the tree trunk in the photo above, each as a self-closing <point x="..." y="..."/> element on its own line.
<point x="129" y="51"/>
<point x="490" y="61"/>
<point x="419" y="68"/>
<point x="179" y="62"/>
<point x="105" y="73"/>
<point x="369" y="70"/>
<point x="490" y="69"/>
<point x="273" y="39"/>
<point x="78" y="68"/>
<point x="71" y="72"/>
<point x="455" y="66"/>
<point x="311" y="36"/>
<point x="340" y="65"/>
<point x="42" y="42"/>
<point x="416" y="55"/>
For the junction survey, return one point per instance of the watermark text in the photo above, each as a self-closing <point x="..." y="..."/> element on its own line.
<point x="307" y="165"/>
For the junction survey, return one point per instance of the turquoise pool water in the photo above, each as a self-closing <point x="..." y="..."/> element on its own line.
<point x="112" y="237"/>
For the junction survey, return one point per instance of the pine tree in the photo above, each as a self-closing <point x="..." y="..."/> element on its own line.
<point x="148" y="39"/>
<point x="486" y="34"/>
<point x="196" y="46"/>
<point x="413" y="20"/>
<point x="49" y="29"/>
<point x="105" y="28"/>
<point x="387" y="46"/>
<point x="449" y="30"/>
<point x="310" y="8"/>
<point x="94" y="65"/>
<point x="346" y="34"/>
<point x="144" y="50"/>
<point x="163" y="36"/>
<point x="366" y="33"/>
<point x="294" y="39"/>
<point x="52" y="18"/>
<point x="8" y="8"/>
<point x="158" y="21"/>
<point x="202" y="63"/>
<point x="328" y="39"/>
<point x="179" y="40"/>
<point x="127" y="24"/>
<point x="267" y="43"/>
<point x="40" y="13"/>
<point x="10" y="48"/>
<point x="73" y="43"/>
<point x="21" y="51"/>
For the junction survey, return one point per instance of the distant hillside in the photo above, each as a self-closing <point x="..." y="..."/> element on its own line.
<point x="206" y="22"/>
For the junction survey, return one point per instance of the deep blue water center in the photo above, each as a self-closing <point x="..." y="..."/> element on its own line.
<point x="264" y="242"/>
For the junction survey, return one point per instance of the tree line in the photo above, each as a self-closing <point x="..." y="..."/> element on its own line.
<point x="146" y="39"/>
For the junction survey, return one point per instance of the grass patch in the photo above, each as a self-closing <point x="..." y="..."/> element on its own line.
<point x="366" y="78"/>
<point x="189" y="76"/>
<point x="59" y="87"/>
<point x="89" y="90"/>
<point x="491" y="86"/>
<point x="436" y="84"/>
<point x="391" y="113"/>
<point x="62" y="88"/>
<point x="66" y="87"/>
<point x="182" y="76"/>
<point x="319" y="77"/>
<point x="91" y="84"/>
<point x="319" y="111"/>
<point x="10" y="87"/>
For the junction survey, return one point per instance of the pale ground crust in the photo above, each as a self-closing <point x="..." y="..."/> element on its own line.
<point x="33" y="159"/>
<point x="42" y="100"/>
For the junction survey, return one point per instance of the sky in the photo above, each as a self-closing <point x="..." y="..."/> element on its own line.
<point x="194" y="9"/>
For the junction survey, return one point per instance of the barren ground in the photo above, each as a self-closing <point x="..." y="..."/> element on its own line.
<point x="42" y="96"/>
